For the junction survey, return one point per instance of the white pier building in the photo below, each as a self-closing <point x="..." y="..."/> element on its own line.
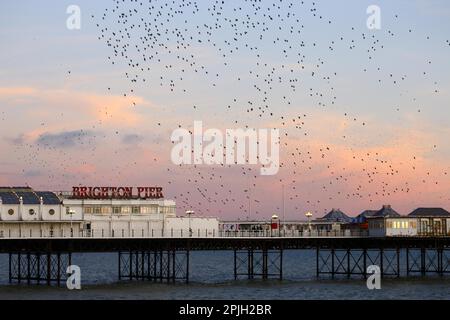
<point x="96" y="212"/>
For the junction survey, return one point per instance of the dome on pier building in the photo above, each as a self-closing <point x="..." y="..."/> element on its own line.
<point x="362" y="217"/>
<point x="336" y="215"/>
<point x="386" y="211"/>
<point x="429" y="212"/>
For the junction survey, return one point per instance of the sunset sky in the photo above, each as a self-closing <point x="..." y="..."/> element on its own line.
<point x="363" y="114"/>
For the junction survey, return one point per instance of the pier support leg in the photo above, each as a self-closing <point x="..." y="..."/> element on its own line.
<point x="426" y="260"/>
<point x="439" y="258"/>
<point x="250" y="264"/>
<point x="350" y="262"/>
<point x="34" y="267"/>
<point x="258" y="263"/>
<point x="407" y="261"/>
<point x="422" y="261"/>
<point x="158" y="265"/>
<point x="235" y="265"/>
<point x="10" y="267"/>
<point x="381" y="262"/>
<point x="365" y="263"/>
<point x="317" y="262"/>
<point x="332" y="262"/>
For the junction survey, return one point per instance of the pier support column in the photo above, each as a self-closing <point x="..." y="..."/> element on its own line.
<point x="427" y="260"/>
<point x="37" y="267"/>
<point x="445" y="260"/>
<point x="258" y="263"/>
<point x="423" y="261"/>
<point x="350" y="262"/>
<point x="155" y="265"/>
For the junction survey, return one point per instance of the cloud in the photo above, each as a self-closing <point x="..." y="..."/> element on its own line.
<point x="17" y="141"/>
<point x="32" y="173"/>
<point x="115" y="109"/>
<point x="65" y="139"/>
<point x="83" y="107"/>
<point x="132" y="139"/>
<point x="16" y="91"/>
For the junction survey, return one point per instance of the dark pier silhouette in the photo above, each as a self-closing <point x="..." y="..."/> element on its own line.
<point x="44" y="260"/>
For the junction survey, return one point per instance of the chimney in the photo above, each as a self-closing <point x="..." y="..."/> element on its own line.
<point x="20" y="208"/>
<point x="41" y="208"/>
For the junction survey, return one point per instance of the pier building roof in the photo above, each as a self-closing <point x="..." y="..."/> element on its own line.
<point x="12" y="195"/>
<point x="429" y="212"/>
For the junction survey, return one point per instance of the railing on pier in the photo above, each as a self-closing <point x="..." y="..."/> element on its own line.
<point x="183" y="233"/>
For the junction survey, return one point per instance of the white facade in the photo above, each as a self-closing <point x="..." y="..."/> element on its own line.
<point x="27" y="212"/>
<point x="196" y="226"/>
<point x="99" y="218"/>
<point x="121" y="218"/>
<point x="406" y="227"/>
<point x="409" y="226"/>
<point x="34" y="220"/>
<point x="392" y="227"/>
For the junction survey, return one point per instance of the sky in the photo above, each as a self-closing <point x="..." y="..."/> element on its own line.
<point x="363" y="114"/>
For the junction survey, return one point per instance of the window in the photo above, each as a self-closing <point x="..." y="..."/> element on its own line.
<point x="88" y="210"/>
<point x="10" y="212"/>
<point x="51" y="212"/>
<point x="97" y="210"/>
<point x="126" y="210"/>
<point x="149" y="209"/>
<point x="116" y="210"/>
<point x="135" y="210"/>
<point x="167" y="209"/>
<point x="106" y="210"/>
<point x="31" y="212"/>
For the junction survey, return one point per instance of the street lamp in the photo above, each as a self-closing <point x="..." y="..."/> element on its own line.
<point x="189" y="212"/>
<point x="71" y="212"/>
<point x="308" y="216"/>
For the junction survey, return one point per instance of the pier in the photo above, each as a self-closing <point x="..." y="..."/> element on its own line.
<point x="41" y="231"/>
<point x="166" y="258"/>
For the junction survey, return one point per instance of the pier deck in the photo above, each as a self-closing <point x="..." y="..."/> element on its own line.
<point x="44" y="260"/>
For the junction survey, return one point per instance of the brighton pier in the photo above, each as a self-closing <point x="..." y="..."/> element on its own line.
<point x="116" y="192"/>
<point x="45" y="260"/>
<point x="40" y="231"/>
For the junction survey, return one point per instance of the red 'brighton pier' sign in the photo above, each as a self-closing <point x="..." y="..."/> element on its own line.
<point x="117" y="193"/>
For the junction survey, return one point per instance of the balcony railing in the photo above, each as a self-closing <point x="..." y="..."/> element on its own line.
<point x="178" y="233"/>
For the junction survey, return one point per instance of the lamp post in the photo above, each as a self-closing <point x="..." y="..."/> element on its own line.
<point x="308" y="216"/>
<point x="71" y="212"/>
<point x="189" y="212"/>
<point x="274" y="225"/>
<point x="282" y="200"/>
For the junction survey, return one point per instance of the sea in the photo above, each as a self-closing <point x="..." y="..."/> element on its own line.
<point x="212" y="277"/>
